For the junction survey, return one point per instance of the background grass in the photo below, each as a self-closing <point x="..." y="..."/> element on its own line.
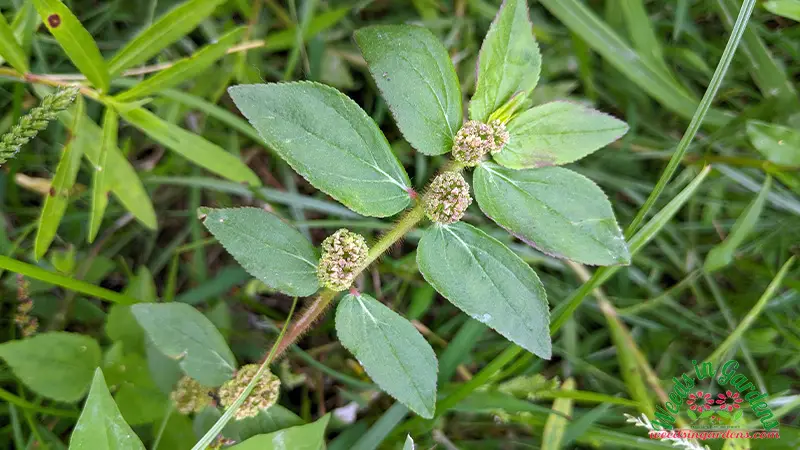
<point x="648" y="62"/>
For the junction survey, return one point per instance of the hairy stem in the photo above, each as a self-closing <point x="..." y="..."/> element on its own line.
<point x="324" y="298"/>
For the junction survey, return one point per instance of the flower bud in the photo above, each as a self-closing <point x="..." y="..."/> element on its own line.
<point x="343" y="253"/>
<point x="476" y="139"/>
<point x="447" y="198"/>
<point x="264" y="394"/>
<point x="190" y="396"/>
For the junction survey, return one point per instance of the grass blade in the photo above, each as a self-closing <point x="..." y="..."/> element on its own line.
<point x="99" y="178"/>
<point x="191" y="146"/>
<point x="556" y="424"/>
<point x="75" y="40"/>
<point x="37" y="273"/>
<point x="597" y="34"/>
<point x="124" y="181"/>
<point x="55" y="204"/>
<point x="10" y="49"/>
<point x="768" y="75"/>
<point x="183" y="70"/>
<point x="722" y="255"/>
<point x="167" y="29"/>
<point x="698" y="117"/>
<point x="753" y="314"/>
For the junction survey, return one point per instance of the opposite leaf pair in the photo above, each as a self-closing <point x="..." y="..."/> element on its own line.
<point x="335" y="145"/>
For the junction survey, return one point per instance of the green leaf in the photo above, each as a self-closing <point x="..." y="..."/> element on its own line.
<point x="722" y="254"/>
<point x="691" y="414"/>
<point x="581" y="20"/>
<point x="267" y="247"/>
<point x="55" y="204"/>
<point x="409" y="444"/>
<point x="555" y="210"/>
<point x="191" y="146"/>
<point x="99" y="184"/>
<point x="121" y="325"/>
<point x="125" y="183"/>
<point x="777" y="143"/>
<point x="167" y="29"/>
<point x="785" y="8"/>
<point x="509" y="60"/>
<point x="486" y="280"/>
<point x="183" y="333"/>
<point x="101" y="426"/>
<point x="10" y="49"/>
<point x="75" y="40"/>
<point x="556" y="424"/>
<point x="183" y="70"/>
<point x="557" y="133"/>
<point x="391" y="350"/>
<point x="330" y="141"/>
<point x="706" y="414"/>
<point x="302" y="437"/>
<point x="56" y="365"/>
<point x="272" y="419"/>
<point x="416" y="77"/>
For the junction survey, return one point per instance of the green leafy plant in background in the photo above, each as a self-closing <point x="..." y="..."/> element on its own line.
<point x="170" y="376"/>
<point x="333" y="144"/>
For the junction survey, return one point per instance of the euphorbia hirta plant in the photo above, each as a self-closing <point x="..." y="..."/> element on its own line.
<point x="513" y="150"/>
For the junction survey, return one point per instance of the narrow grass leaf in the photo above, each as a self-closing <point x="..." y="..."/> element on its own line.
<point x="698" y="117"/>
<point x="56" y="365"/>
<point x="391" y="350"/>
<point x="101" y="426"/>
<point x="123" y="179"/>
<point x="753" y="314"/>
<point x="556" y="424"/>
<point x="765" y="69"/>
<point x="602" y="38"/>
<point x="784" y="8"/>
<point x="722" y="254"/>
<point x="185" y="69"/>
<point x="489" y="282"/>
<point x="99" y="176"/>
<point x="643" y="36"/>
<point x="632" y="374"/>
<point x="191" y="146"/>
<point x="553" y="209"/>
<point x="329" y="140"/>
<point x="10" y="49"/>
<point x="779" y="144"/>
<point x="416" y="77"/>
<point x="301" y="437"/>
<point x="286" y="39"/>
<point x="557" y="133"/>
<point x="183" y="333"/>
<point x="509" y="60"/>
<point x="167" y="29"/>
<point x="71" y="284"/>
<point x="75" y="40"/>
<point x="55" y="203"/>
<point x="267" y="247"/>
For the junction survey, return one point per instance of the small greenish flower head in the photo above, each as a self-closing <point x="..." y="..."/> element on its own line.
<point x="475" y="139"/>
<point x="190" y="396"/>
<point x="343" y="253"/>
<point x="264" y="394"/>
<point x="447" y="198"/>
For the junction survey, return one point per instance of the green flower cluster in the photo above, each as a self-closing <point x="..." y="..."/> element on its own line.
<point x="343" y="253"/>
